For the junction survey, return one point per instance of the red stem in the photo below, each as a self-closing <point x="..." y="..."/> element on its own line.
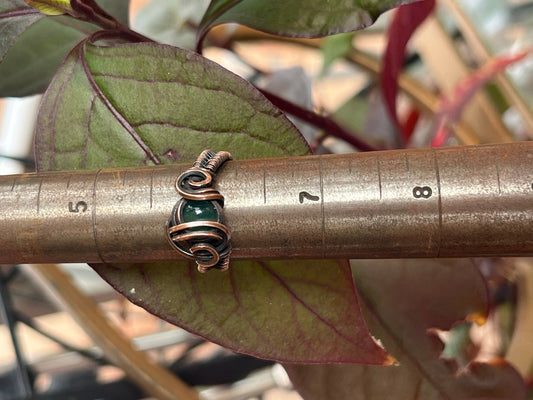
<point x="330" y="126"/>
<point x="90" y="11"/>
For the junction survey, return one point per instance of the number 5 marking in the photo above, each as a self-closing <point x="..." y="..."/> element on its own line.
<point x="76" y="208"/>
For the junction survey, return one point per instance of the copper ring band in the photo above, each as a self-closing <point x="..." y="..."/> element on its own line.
<point x="207" y="241"/>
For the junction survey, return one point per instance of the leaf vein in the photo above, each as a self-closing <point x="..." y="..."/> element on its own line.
<point x="57" y="101"/>
<point x="120" y="118"/>
<point x="170" y="82"/>
<point x="208" y="131"/>
<point x="19" y="13"/>
<point x="306" y="306"/>
<point x="301" y="334"/>
<point x="88" y="131"/>
<point x="416" y="362"/>
<point x="242" y="309"/>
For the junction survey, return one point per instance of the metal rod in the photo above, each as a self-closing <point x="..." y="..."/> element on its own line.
<point x="450" y="202"/>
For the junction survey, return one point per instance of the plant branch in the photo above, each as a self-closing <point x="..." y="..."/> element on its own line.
<point x="330" y="126"/>
<point x="424" y="99"/>
<point x="90" y="11"/>
<point x="125" y="34"/>
<point x="206" y="25"/>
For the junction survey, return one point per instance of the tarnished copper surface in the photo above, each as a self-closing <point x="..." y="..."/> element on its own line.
<point x="449" y="202"/>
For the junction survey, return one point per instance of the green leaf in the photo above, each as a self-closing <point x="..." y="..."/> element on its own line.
<point x="120" y="9"/>
<point x="32" y="46"/>
<point x="139" y="101"/>
<point x="33" y="60"/>
<point x="335" y="47"/>
<point x="300" y="18"/>
<point x="137" y="104"/>
<point x="405" y="301"/>
<point x="353" y="114"/>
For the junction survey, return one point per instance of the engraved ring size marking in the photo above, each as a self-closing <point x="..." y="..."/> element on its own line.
<point x="196" y="226"/>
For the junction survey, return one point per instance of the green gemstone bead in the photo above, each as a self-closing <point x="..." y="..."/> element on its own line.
<point x="199" y="210"/>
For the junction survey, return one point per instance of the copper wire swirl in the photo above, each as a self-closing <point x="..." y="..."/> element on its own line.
<point x="207" y="242"/>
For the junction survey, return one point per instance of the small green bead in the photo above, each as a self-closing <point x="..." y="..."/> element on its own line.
<point x="199" y="210"/>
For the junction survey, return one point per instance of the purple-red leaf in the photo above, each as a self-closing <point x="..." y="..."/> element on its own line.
<point x="406" y="19"/>
<point x="290" y="311"/>
<point x="451" y="108"/>
<point x="404" y="301"/>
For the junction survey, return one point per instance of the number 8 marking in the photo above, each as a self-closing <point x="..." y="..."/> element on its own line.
<point x="422" y="192"/>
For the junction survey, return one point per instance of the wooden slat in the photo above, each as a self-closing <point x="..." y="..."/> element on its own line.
<point x="424" y="99"/>
<point x="440" y="55"/>
<point x="152" y="378"/>
<point x="483" y="55"/>
<point x="520" y="352"/>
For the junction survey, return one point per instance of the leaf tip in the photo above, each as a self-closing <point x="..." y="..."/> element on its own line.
<point x="390" y="360"/>
<point x="478" y="318"/>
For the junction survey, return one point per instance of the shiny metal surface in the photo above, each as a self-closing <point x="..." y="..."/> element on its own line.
<point x="448" y="202"/>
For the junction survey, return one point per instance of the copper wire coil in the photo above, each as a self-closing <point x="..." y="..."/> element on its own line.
<point x="197" y="235"/>
<point x="195" y="172"/>
<point x="210" y="233"/>
<point x="211" y="161"/>
<point x="201" y="224"/>
<point x="223" y="265"/>
<point x="208" y="194"/>
<point x="192" y="235"/>
<point x="192" y="189"/>
<point x="208" y="242"/>
<point x="200" y="248"/>
<point x="192" y="243"/>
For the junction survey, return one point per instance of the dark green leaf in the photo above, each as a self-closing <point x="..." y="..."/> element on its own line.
<point x="301" y="18"/>
<point x="15" y="18"/>
<point x="130" y="105"/>
<point x="335" y="47"/>
<point x="120" y="9"/>
<point x="32" y="46"/>
<point x="33" y="60"/>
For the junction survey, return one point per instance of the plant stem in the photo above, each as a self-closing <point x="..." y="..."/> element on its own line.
<point x="90" y="11"/>
<point x="206" y="25"/>
<point x="329" y="125"/>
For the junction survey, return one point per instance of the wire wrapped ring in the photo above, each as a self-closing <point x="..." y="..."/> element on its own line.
<point x="196" y="227"/>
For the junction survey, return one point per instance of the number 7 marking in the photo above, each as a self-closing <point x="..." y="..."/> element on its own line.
<point x="308" y="196"/>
